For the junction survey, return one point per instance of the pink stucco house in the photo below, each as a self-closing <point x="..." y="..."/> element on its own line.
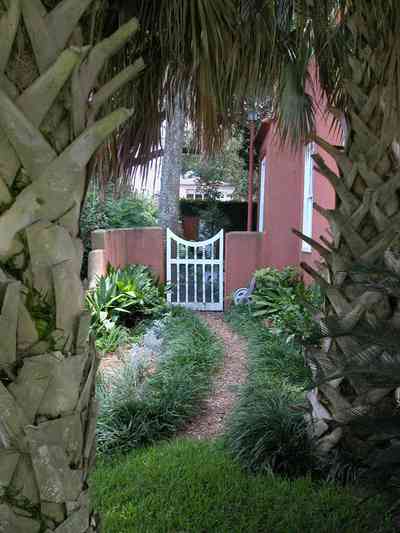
<point x="289" y="186"/>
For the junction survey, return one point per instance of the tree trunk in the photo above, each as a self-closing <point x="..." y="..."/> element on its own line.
<point x="364" y="223"/>
<point x="48" y="134"/>
<point x="172" y="169"/>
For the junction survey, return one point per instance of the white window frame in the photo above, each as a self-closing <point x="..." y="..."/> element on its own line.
<point x="261" y="210"/>
<point x="308" y="200"/>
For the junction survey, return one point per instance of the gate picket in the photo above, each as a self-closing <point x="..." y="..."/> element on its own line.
<point x="209" y="267"/>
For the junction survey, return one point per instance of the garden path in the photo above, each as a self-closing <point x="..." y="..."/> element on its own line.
<point x="210" y="422"/>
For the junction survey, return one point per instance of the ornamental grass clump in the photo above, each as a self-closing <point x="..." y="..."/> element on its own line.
<point x="267" y="430"/>
<point x="139" y="406"/>
<point x="267" y="434"/>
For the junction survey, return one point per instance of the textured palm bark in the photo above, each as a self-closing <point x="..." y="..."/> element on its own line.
<point x="364" y="223"/>
<point x="48" y="133"/>
<point x="172" y="169"/>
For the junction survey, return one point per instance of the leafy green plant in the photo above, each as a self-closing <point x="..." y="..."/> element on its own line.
<point x="124" y="295"/>
<point x="113" y="337"/>
<point x="110" y="212"/>
<point x="121" y="299"/>
<point x="139" y="406"/>
<point x="282" y="298"/>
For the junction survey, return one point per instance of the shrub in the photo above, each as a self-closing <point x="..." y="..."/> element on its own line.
<point x="282" y="298"/>
<point x="266" y="434"/>
<point x="126" y="212"/>
<point x="230" y="216"/>
<point x="121" y="299"/>
<point x="138" y="406"/>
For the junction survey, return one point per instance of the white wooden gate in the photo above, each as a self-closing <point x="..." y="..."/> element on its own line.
<point x="195" y="272"/>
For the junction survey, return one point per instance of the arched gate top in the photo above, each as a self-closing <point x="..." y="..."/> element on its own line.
<point x="195" y="272"/>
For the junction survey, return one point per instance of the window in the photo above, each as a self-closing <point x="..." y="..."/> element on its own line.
<point x="308" y="195"/>
<point x="263" y="177"/>
<point x="199" y="196"/>
<point x="189" y="196"/>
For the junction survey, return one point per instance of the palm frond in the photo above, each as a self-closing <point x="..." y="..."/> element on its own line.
<point x="216" y="54"/>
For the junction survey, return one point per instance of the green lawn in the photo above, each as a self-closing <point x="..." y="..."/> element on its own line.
<point x="185" y="486"/>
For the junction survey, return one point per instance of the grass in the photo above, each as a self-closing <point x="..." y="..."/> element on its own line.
<point x="138" y="408"/>
<point x="111" y="339"/>
<point x="265" y="432"/>
<point x="186" y="486"/>
<point x="275" y="358"/>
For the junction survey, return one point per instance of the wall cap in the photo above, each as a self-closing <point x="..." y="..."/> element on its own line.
<point x="140" y="228"/>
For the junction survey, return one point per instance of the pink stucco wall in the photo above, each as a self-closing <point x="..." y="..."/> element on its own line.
<point x="324" y="195"/>
<point x="144" y="246"/>
<point x="243" y="256"/>
<point x="282" y="205"/>
<point x="284" y="193"/>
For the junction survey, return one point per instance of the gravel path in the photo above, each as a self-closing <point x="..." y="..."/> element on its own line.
<point x="210" y="422"/>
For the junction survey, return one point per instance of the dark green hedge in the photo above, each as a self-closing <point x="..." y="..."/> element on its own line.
<point x="234" y="213"/>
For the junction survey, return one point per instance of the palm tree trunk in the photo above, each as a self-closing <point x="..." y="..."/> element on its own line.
<point x="364" y="223"/>
<point x="172" y="169"/>
<point x="48" y="133"/>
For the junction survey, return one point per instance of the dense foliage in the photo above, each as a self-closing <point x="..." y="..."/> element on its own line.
<point x="226" y="166"/>
<point x="265" y="431"/>
<point x="128" y="211"/>
<point x="230" y="216"/>
<point x="285" y="301"/>
<point x="139" y="405"/>
<point x="121" y="299"/>
<point x="195" y="487"/>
